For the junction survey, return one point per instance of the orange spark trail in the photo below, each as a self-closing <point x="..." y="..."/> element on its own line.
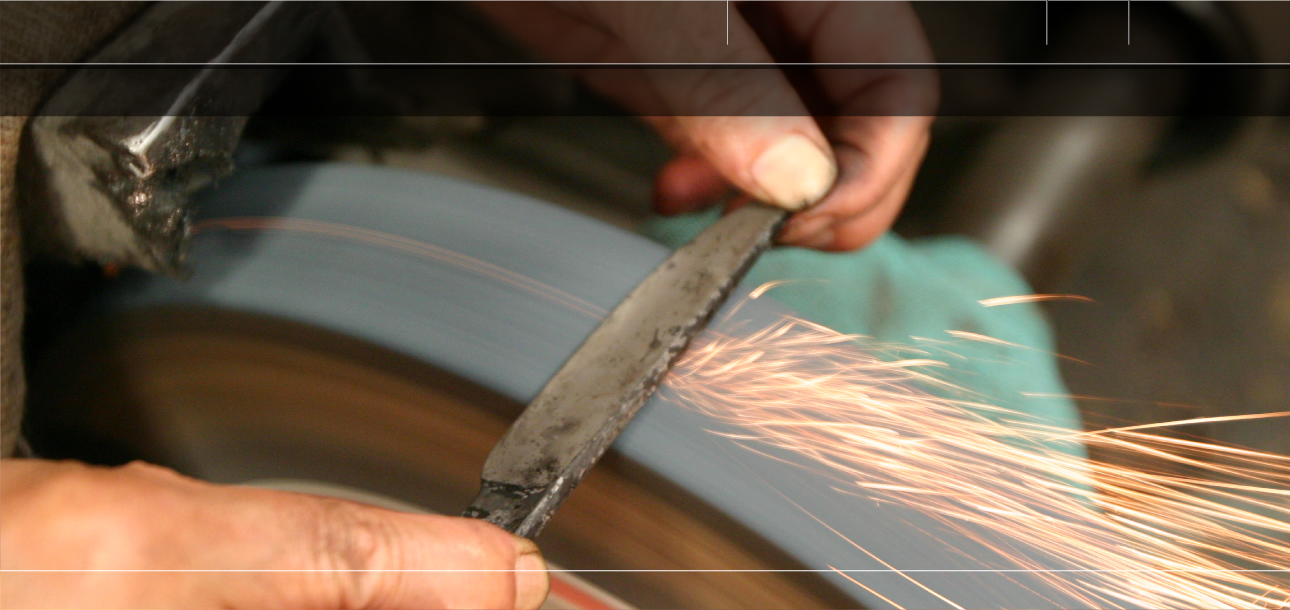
<point x="400" y="244"/>
<point x="962" y="334"/>
<point x="1210" y="537"/>
<point x="1033" y="298"/>
<point x="1192" y="533"/>
<point x="1187" y="422"/>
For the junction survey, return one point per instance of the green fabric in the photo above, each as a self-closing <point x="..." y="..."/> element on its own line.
<point x="898" y="290"/>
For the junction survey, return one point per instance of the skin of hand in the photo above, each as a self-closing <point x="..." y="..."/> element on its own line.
<point x="843" y="145"/>
<point x="330" y="553"/>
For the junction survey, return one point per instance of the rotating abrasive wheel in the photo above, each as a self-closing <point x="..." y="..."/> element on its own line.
<point x="375" y="331"/>
<point x="231" y="392"/>
<point x="237" y="397"/>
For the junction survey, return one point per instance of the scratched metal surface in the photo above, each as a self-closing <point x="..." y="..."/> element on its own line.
<point x="501" y="290"/>
<point x="595" y="394"/>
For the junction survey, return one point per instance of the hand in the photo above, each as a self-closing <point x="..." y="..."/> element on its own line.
<point x="68" y="516"/>
<point x="751" y="128"/>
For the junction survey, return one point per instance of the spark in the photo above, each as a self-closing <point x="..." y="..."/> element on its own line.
<point x="1033" y="298"/>
<point x="1194" y="525"/>
<point x="1106" y="399"/>
<point x="963" y="334"/>
<point x="867" y="588"/>
<point x="1188" y="422"/>
<point x="405" y="245"/>
<point x="1205" y="528"/>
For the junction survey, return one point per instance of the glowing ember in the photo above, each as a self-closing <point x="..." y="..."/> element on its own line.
<point x="892" y="429"/>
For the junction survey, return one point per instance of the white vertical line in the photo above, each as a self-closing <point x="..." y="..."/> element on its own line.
<point x="727" y="22"/>
<point x="1045" y="22"/>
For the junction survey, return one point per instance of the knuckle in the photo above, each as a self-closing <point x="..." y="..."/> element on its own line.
<point x="144" y="468"/>
<point x="343" y="540"/>
<point x="142" y="473"/>
<point x="352" y="544"/>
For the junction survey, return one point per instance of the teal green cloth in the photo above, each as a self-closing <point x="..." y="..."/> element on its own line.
<point x="898" y="291"/>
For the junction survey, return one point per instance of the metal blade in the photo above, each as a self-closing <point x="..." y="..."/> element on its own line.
<point x="594" y="395"/>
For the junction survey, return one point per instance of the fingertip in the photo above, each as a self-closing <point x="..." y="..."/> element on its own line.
<point x="794" y="172"/>
<point x="490" y="539"/>
<point x="784" y="161"/>
<point x="524" y="546"/>
<point x="807" y="231"/>
<point x="532" y="583"/>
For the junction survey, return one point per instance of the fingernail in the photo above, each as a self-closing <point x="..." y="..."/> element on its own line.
<point x="531" y="583"/>
<point x="800" y="229"/>
<point x="794" y="173"/>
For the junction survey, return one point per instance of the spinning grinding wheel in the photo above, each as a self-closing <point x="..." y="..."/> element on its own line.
<point x="236" y="397"/>
<point x="378" y="329"/>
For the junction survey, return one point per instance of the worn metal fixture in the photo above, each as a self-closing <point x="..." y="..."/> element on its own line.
<point x="154" y="116"/>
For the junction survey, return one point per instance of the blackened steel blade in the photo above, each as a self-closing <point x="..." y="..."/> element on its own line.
<point x="594" y="395"/>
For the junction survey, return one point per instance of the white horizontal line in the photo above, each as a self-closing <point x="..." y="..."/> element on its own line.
<point x="569" y="570"/>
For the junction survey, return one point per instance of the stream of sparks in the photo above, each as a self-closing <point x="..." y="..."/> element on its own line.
<point x="1205" y="528"/>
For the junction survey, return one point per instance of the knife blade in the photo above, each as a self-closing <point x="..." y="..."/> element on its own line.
<point x="589" y="401"/>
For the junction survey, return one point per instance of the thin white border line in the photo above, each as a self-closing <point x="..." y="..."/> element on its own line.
<point x="571" y="570"/>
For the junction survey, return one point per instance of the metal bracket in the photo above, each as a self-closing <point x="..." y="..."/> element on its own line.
<point x="154" y="116"/>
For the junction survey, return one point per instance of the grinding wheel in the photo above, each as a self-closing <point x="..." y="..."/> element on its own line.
<point x="235" y="397"/>
<point x="378" y="329"/>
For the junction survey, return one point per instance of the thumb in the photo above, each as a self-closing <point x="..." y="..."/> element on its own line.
<point x="369" y="557"/>
<point x="749" y="123"/>
<point x="778" y="160"/>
